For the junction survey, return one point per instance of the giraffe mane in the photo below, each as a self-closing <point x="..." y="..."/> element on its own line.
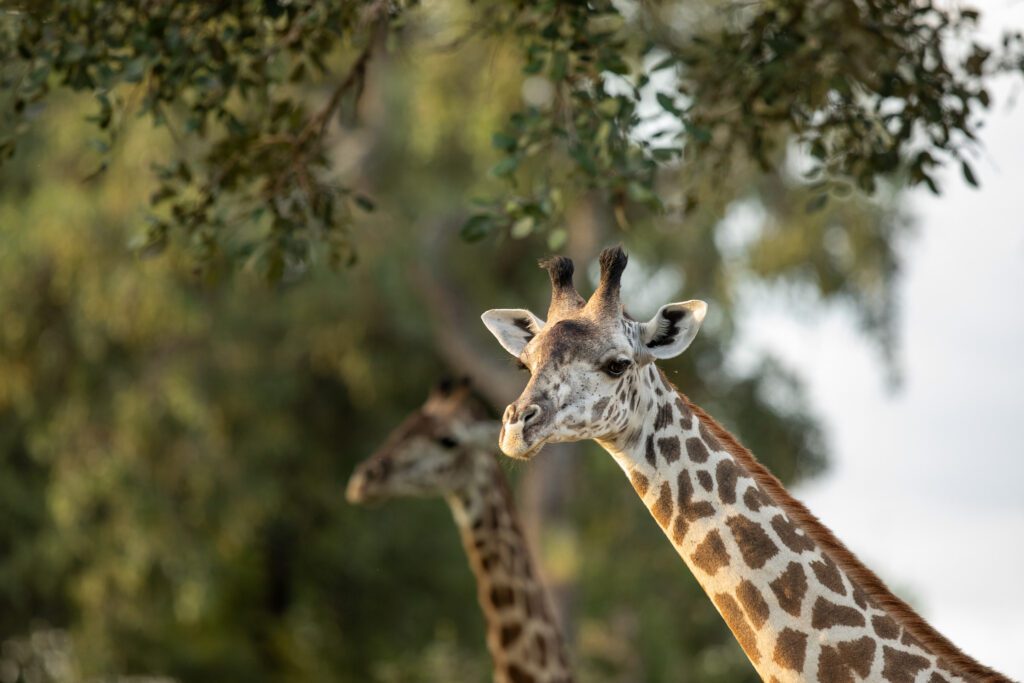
<point x="873" y="586"/>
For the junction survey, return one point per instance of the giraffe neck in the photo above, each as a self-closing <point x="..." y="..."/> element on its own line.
<point x="800" y="605"/>
<point x="523" y="638"/>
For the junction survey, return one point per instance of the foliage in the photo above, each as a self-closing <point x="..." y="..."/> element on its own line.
<point x="172" y="453"/>
<point x="632" y="102"/>
<point x="225" y="78"/>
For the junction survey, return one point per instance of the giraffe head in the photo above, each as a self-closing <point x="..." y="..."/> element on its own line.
<point x="431" y="453"/>
<point x="585" y="360"/>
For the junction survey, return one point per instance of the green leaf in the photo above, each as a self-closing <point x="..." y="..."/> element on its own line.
<point x="364" y="203"/>
<point x="522" y="227"/>
<point x="37" y="77"/>
<point x="584" y="159"/>
<point x="164" y="193"/>
<point x="664" y="63"/>
<point x="134" y="70"/>
<point x="477" y="227"/>
<point x="697" y="133"/>
<point x="557" y="239"/>
<point x="639" y="192"/>
<point x="504" y="141"/>
<point x="609" y="107"/>
<point x="534" y="66"/>
<point x="816" y="203"/>
<point x="968" y="174"/>
<point x="667" y="103"/>
<point x="505" y="167"/>
<point x="559" y="66"/>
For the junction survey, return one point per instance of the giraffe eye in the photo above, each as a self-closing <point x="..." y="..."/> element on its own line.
<point x="448" y="442"/>
<point x="616" y="367"/>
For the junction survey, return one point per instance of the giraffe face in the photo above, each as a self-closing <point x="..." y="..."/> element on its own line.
<point x="430" y="454"/>
<point x="585" y="362"/>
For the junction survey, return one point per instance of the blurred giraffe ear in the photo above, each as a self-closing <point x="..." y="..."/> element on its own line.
<point x="672" y="328"/>
<point x="513" y="327"/>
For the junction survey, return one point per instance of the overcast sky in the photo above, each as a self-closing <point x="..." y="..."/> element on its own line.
<point x="927" y="483"/>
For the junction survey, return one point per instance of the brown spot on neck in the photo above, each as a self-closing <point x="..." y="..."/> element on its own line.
<point x="639" y="482"/>
<point x="669" y="448"/>
<point x="509" y="634"/>
<point x="790" y="649"/>
<point x="791" y="535"/>
<point x="885" y="627"/>
<point x="727" y="475"/>
<point x="839" y="664"/>
<point x="755" y="499"/>
<point x="790" y="588"/>
<point x="754" y="543"/>
<point x="697" y="451"/>
<point x="685" y="414"/>
<point x="664" y="417"/>
<point x="688" y="508"/>
<point x="753" y="603"/>
<point x="502" y="596"/>
<point x="709" y="438"/>
<point x="733" y="616"/>
<point x="900" y="666"/>
<point x="710" y="554"/>
<point x="827" y="614"/>
<point x="828" y="574"/>
<point x="518" y="675"/>
<point x="662" y="509"/>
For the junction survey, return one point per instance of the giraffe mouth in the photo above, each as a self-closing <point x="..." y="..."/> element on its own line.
<point x="361" y="490"/>
<point x="527" y="455"/>
<point x="356" y="492"/>
<point x="514" y="442"/>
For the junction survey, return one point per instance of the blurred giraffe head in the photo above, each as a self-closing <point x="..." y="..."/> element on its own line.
<point x="431" y="453"/>
<point x="586" y="360"/>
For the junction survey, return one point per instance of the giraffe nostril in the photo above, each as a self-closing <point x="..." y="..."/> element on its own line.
<point x="378" y="471"/>
<point x="530" y="413"/>
<point x="510" y="414"/>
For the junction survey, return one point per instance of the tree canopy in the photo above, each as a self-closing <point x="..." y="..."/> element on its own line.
<point x="640" y="103"/>
<point x="173" y="452"/>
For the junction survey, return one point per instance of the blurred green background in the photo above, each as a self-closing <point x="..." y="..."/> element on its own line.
<point x="174" y="448"/>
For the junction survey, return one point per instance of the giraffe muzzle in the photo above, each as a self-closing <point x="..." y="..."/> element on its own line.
<point x="365" y="482"/>
<point x="355" y="492"/>
<point x="521" y="430"/>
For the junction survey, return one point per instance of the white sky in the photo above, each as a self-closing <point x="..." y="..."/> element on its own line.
<point x="927" y="483"/>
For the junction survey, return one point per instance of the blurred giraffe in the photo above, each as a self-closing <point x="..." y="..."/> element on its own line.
<point x="448" y="448"/>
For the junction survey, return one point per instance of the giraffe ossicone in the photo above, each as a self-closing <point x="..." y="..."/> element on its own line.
<point x="802" y="607"/>
<point x="446" y="448"/>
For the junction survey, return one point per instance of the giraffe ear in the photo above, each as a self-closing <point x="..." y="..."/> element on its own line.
<point x="672" y="328"/>
<point x="514" y="327"/>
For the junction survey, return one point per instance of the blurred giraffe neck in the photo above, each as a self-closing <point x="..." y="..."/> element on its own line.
<point x="525" y="642"/>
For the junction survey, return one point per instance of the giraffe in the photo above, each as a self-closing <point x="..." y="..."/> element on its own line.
<point x="801" y="605"/>
<point x="447" y="448"/>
